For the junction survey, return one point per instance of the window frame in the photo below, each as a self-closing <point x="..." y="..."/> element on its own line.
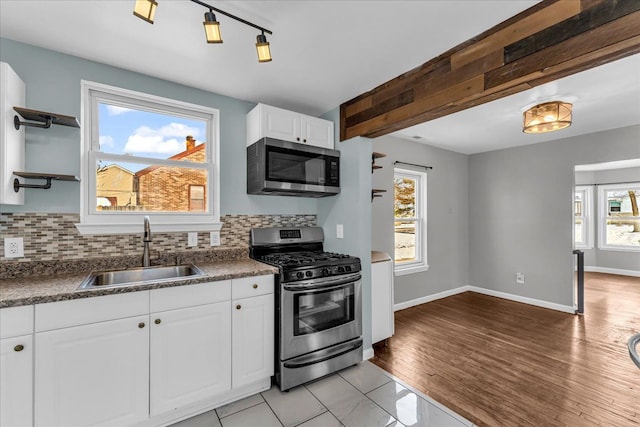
<point x="587" y="216"/>
<point x="94" y="222"/>
<point x="603" y="208"/>
<point x="420" y="264"/>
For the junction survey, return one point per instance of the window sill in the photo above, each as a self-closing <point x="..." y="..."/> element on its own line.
<point x="620" y="248"/>
<point x="411" y="270"/>
<point x="86" y="229"/>
<point x="584" y="248"/>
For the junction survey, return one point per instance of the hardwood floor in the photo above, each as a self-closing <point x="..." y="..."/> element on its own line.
<point x="503" y="363"/>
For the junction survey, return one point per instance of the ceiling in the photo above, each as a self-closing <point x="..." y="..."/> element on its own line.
<point x="324" y="53"/>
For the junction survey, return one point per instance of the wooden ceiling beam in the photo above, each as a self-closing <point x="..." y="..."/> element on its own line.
<point x="551" y="40"/>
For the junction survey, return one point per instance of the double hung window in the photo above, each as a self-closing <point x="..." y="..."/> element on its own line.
<point x="619" y="217"/>
<point x="583" y="213"/>
<point x="147" y="155"/>
<point x="410" y="221"/>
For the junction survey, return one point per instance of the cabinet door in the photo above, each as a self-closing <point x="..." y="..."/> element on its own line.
<point x="190" y="355"/>
<point x="91" y="375"/>
<point x="280" y="124"/>
<point x="16" y="386"/>
<point x="253" y="337"/>
<point x="318" y="132"/>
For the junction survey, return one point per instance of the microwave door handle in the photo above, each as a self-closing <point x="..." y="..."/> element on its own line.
<point x="328" y="284"/>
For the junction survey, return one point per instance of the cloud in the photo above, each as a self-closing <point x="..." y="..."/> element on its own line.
<point x="106" y="141"/>
<point x="169" y="139"/>
<point x="114" y="110"/>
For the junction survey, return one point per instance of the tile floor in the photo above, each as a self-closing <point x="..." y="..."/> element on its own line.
<point x="363" y="395"/>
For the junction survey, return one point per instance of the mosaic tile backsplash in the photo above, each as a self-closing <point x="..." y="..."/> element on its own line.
<point x="52" y="236"/>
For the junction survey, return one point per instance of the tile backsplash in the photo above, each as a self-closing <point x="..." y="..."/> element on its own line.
<point x="53" y="236"/>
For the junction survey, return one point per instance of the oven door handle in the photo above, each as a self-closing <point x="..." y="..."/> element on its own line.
<point x="326" y="283"/>
<point x="338" y="350"/>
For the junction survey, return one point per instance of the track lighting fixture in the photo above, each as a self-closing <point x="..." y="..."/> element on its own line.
<point x="145" y="10"/>
<point x="212" y="28"/>
<point x="262" y="46"/>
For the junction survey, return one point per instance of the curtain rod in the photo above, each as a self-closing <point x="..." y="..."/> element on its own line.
<point x="412" y="164"/>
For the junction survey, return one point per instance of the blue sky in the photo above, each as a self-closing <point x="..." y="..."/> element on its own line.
<point x="145" y="134"/>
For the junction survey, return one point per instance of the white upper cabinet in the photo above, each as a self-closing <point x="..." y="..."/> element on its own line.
<point x="267" y="121"/>
<point x="12" y="94"/>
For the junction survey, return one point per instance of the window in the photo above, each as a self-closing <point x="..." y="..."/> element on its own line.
<point x="410" y="221"/>
<point x="147" y="155"/>
<point x="619" y="217"/>
<point x="582" y="211"/>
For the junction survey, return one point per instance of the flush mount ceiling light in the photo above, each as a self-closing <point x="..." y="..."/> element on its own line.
<point x="145" y="10"/>
<point x="547" y="117"/>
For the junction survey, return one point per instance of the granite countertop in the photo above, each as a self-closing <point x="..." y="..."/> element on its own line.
<point x="60" y="287"/>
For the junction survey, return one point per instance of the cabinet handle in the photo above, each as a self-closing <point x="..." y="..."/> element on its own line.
<point x="255" y="286"/>
<point x="238" y="307"/>
<point x="158" y="321"/>
<point x="305" y="140"/>
<point x="141" y="325"/>
<point x="298" y="139"/>
<point x="19" y="347"/>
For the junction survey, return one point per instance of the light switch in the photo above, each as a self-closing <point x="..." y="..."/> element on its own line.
<point x="192" y="239"/>
<point x="339" y="231"/>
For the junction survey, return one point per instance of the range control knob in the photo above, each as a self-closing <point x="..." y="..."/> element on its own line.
<point x="348" y="268"/>
<point x="300" y="275"/>
<point x="309" y="273"/>
<point x="325" y="271"/>
<point x="340" y="269"/>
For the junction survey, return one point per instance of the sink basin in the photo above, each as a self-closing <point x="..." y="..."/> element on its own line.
<point x="99" y="279"/>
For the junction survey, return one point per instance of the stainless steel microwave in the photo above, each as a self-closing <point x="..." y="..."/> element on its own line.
<point x="290" y="169"/>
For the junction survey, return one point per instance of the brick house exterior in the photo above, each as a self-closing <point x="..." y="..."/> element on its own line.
<point x="115" y="184"/>
<point x="164" y="188"/>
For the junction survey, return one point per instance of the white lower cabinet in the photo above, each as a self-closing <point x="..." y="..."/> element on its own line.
<point x="94" y="374"/>
<point x="253" y="339"/>
<point x="189" y="355"/>
<point x="16" y="386"/>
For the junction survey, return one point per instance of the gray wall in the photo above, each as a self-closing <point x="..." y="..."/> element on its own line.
<point x="520" y="211"/>
<point x="607" y="258"/>
<point x="352" y="209"/>
<point x="447" y="216"/>
<point x="53" y="84"/>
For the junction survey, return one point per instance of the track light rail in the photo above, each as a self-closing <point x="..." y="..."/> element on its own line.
<point x="244" y="21"/>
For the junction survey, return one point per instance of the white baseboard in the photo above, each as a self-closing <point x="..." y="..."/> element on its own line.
<point x="504" y="295"/>
<point x="525" y="300"/>
<point x="428" y="298"/>
<point x="367" y="353"/>
<point x="620" y="272"/>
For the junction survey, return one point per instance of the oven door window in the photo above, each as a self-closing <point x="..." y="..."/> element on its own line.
<point x="319" y="310"/>
<point x="285" y="165"/>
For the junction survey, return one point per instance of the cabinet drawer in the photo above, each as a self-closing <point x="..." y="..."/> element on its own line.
<point x="190" y="295"/>
<point x="63" y="314"/>
<point x="251" y="286"/>
<point x="16" y="321"/>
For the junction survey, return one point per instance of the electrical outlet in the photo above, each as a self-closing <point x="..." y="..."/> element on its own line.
<point x="520" y="278"/>
<point x="192" y="239"/>
<point x="215" y="238"/>
<point x="339" y="231"/>
<point x="13" y="247"/>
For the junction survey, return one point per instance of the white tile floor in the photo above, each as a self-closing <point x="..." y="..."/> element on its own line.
<point x="363" y="395"/>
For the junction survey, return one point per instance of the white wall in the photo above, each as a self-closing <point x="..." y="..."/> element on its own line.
<point x="521" y="211"/>
<point x="605" y="260"/>
<point x="447" y="216"/>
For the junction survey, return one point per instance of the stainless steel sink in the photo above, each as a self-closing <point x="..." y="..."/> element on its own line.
<point x="135" y="276"/>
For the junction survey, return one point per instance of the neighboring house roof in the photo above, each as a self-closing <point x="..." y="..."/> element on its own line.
<point x="178" y="156"/>
<point x="115" y="166"/>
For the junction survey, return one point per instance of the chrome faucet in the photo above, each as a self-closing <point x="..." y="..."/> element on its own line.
<point x="146" y="262"/>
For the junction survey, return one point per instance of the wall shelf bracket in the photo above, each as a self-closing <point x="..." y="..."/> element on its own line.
<point x="17" y="185"/>
<point x="42" y="119"/>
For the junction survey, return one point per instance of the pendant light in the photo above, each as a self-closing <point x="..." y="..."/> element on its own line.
<point x="145" y="10"/>
<point x="212" y="28"/>
<point x="547" y="117"/>
<point x="262" y="46"/>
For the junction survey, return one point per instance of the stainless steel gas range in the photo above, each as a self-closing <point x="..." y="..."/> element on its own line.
<point x="318" y="303"/>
